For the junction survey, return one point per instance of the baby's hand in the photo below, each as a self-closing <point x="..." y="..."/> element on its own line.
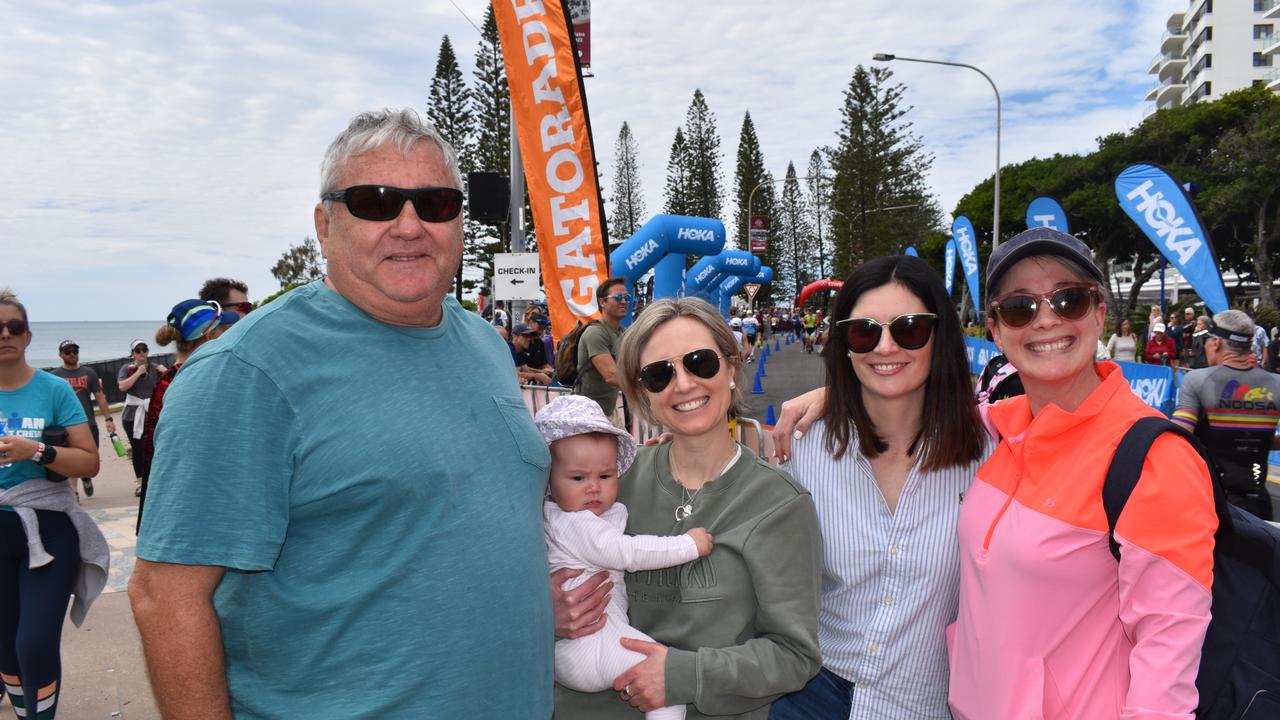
<point x="703" y="540"/>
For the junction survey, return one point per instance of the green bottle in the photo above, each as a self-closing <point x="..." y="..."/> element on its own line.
<point x="118" y="444"/>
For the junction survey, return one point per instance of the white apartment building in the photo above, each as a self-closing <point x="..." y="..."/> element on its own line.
<point x="1214" y="48"/>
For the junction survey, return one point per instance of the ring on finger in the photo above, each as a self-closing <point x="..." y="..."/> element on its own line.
<point x="626" y="690"/>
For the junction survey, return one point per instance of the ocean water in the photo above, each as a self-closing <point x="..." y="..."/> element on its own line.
<point x="97" y="340"/>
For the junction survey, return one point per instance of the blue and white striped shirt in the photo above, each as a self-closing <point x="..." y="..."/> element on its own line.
<point x="890" y="580"/>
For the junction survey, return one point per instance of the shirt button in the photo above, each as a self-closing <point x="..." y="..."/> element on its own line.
<point x="874" y="648"/>
<point x="893" y="550"/>
<point x="888" y="599"/>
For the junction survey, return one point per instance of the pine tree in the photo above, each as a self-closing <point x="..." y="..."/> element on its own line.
<point x="491" y="105"/>
<point x="794" y="238"/>
<point x="628" y="199"/>
<point x="676" y="194"/>
<point x="750" y="176"/>
<point x="818" y="187"/>
<point x="706" y="188"/>
<point x="878" y="163"/>
<point x="449" y="105"/>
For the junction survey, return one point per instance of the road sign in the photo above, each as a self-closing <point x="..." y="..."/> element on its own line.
<point x="515" y="276"/>
<point x="759" y="233"/>
<point x="752" y="289"/>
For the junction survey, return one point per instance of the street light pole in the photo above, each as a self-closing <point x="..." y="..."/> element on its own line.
<point x="995" y="220"/>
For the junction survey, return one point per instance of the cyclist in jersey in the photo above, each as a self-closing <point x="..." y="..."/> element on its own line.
<point x="1232" y="407"/>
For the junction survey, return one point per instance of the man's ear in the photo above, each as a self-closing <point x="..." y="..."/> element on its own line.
<point x="322" y="229"/>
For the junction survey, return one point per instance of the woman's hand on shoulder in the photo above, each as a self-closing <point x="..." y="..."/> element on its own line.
<point x="797" y="415"/>
<point x="580" y="611"/>
<point x="644" y="685"/>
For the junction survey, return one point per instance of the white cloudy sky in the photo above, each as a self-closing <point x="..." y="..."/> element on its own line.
<point x="146" y="146"/>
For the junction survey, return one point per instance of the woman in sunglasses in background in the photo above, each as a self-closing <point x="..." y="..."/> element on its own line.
<point x="49" y="547"/>
<point x="1050" y="625"/>
<point x="736" y="629"/>
<point x="888" y="461"/>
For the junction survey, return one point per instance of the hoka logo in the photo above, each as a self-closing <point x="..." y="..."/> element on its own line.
<point x="1151" y="390"/>
<point x="640" y="254"/>
<point x="695" y="234"/>
<point x="1163" y="218"/>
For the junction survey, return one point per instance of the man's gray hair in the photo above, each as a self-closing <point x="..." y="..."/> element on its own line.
<point x="1237" y="322"/>
<point x="371" y="130"/>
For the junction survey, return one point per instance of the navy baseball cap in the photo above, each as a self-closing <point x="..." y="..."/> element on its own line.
<point x="1039" y="241"/>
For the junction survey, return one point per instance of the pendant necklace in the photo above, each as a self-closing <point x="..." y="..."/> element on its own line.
<point x="685" y="508"/>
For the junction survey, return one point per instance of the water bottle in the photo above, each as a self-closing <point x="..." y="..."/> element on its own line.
<point x="118" y="444"/>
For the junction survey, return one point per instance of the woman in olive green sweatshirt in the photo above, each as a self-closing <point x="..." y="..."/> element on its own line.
<point x="738" y="628"/>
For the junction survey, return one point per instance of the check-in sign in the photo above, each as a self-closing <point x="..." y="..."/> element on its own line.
<point x="515" y="276"/>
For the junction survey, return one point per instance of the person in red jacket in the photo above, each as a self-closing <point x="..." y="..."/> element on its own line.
<point x="1161" y="349"/>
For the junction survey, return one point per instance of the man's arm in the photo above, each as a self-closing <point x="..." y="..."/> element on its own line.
<point x="607" y="368"/>
<point x="181" y="638"/>
<point x="106" y="410"/>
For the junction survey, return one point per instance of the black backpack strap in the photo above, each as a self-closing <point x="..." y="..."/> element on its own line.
<point x="1126" y="469"/>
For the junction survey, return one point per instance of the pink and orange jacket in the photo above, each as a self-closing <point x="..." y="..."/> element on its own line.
<point x="1050" y="626"/>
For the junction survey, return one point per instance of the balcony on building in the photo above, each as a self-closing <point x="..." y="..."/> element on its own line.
<point x="1173" y="41"/>
<point x="1166" y="93"/>
<point x="1270" y="9"/>
<point x="1268" y="45"/>
<point x="1272" y="80"/>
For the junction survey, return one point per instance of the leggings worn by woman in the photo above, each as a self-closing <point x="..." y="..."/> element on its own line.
<point x="30" y="663"/>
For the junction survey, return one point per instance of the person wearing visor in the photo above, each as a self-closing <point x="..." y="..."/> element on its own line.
<point x="738" y="628"/>
<point x="1233" y="406"/>
<point x="328" y="470"/>
<point x="137" y="380"/>
<point x="1049" y="624"/>
<point x="190" y="324"/>
<point x="87" y="386"/>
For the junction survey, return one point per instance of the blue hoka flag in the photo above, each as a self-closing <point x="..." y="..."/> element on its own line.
<point x="911" y="250"/>
<point x="1161" y="208"/>
<point x="1044" y="211"/>
<point x="949" y="271"/>
<point x="967" y="244"/>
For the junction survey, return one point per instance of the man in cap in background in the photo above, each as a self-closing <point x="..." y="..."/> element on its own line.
<point x="88" y="387"/>
<point x="526" y="342"/>
<point x="1233" y="407"/>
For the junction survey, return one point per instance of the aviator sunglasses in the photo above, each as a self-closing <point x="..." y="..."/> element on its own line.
<point x="656" y="376"/>
<point x="1070" y="302"/>
<point x="383" y="202"/>
<point x="911" y="331"/>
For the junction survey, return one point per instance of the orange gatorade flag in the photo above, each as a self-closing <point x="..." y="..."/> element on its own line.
<point x="559" y="160"/>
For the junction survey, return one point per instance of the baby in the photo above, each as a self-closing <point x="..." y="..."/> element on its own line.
<point x="584" y="529"/>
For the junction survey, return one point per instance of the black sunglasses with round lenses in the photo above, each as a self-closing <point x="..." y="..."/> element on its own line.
<point x="656" y="376"/>
<point x="383" y="202"/>
<point x="911" y="331"/>
<point x="1069" y="302"/>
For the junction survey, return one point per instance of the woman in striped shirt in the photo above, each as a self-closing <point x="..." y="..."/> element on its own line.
<point x="888" y="463"/>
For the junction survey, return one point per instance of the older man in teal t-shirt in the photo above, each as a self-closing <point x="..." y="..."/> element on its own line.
<point x="343" y="517"/>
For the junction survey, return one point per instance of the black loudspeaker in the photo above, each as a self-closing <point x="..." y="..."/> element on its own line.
<point x="488" y="197"/>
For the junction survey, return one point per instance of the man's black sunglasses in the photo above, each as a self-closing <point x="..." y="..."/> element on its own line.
<point x="383" y="202"/>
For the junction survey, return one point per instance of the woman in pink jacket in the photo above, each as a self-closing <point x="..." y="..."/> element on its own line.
<point x="1050" y="625"/>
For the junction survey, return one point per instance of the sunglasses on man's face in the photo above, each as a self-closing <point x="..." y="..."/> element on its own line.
<point x="383" y="202"/>
<point x="703" y="363"/>
<point x="911" y="331"/>
<point x="71" y="351"/>
<point x="241" y="307"/>
<point x="15" y="327"/>
<point x="1070" y="302"/>
<point x="620" y="297"/>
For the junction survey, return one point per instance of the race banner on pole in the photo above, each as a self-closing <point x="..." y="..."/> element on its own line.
<point x="1044" y="211"/>
<point x="759" y="234"/>
<point x="580" y="16"/>
<point x="1159" y="206"/>
<point x="949" y="267"/>
<point x="967" y="245"/>
<point x="550" y="110"/>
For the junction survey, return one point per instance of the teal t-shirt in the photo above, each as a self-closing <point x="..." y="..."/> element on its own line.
<point x="45" y="401"/>
<point x="375" y="492"/>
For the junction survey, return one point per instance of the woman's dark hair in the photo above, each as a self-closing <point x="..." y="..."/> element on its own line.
<point x="950" y="429"/>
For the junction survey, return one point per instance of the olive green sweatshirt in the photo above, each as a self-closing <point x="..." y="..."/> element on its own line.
<point x="741" y="623"/>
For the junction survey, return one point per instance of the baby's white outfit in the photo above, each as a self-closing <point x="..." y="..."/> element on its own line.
<point x="593" y="542"/>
